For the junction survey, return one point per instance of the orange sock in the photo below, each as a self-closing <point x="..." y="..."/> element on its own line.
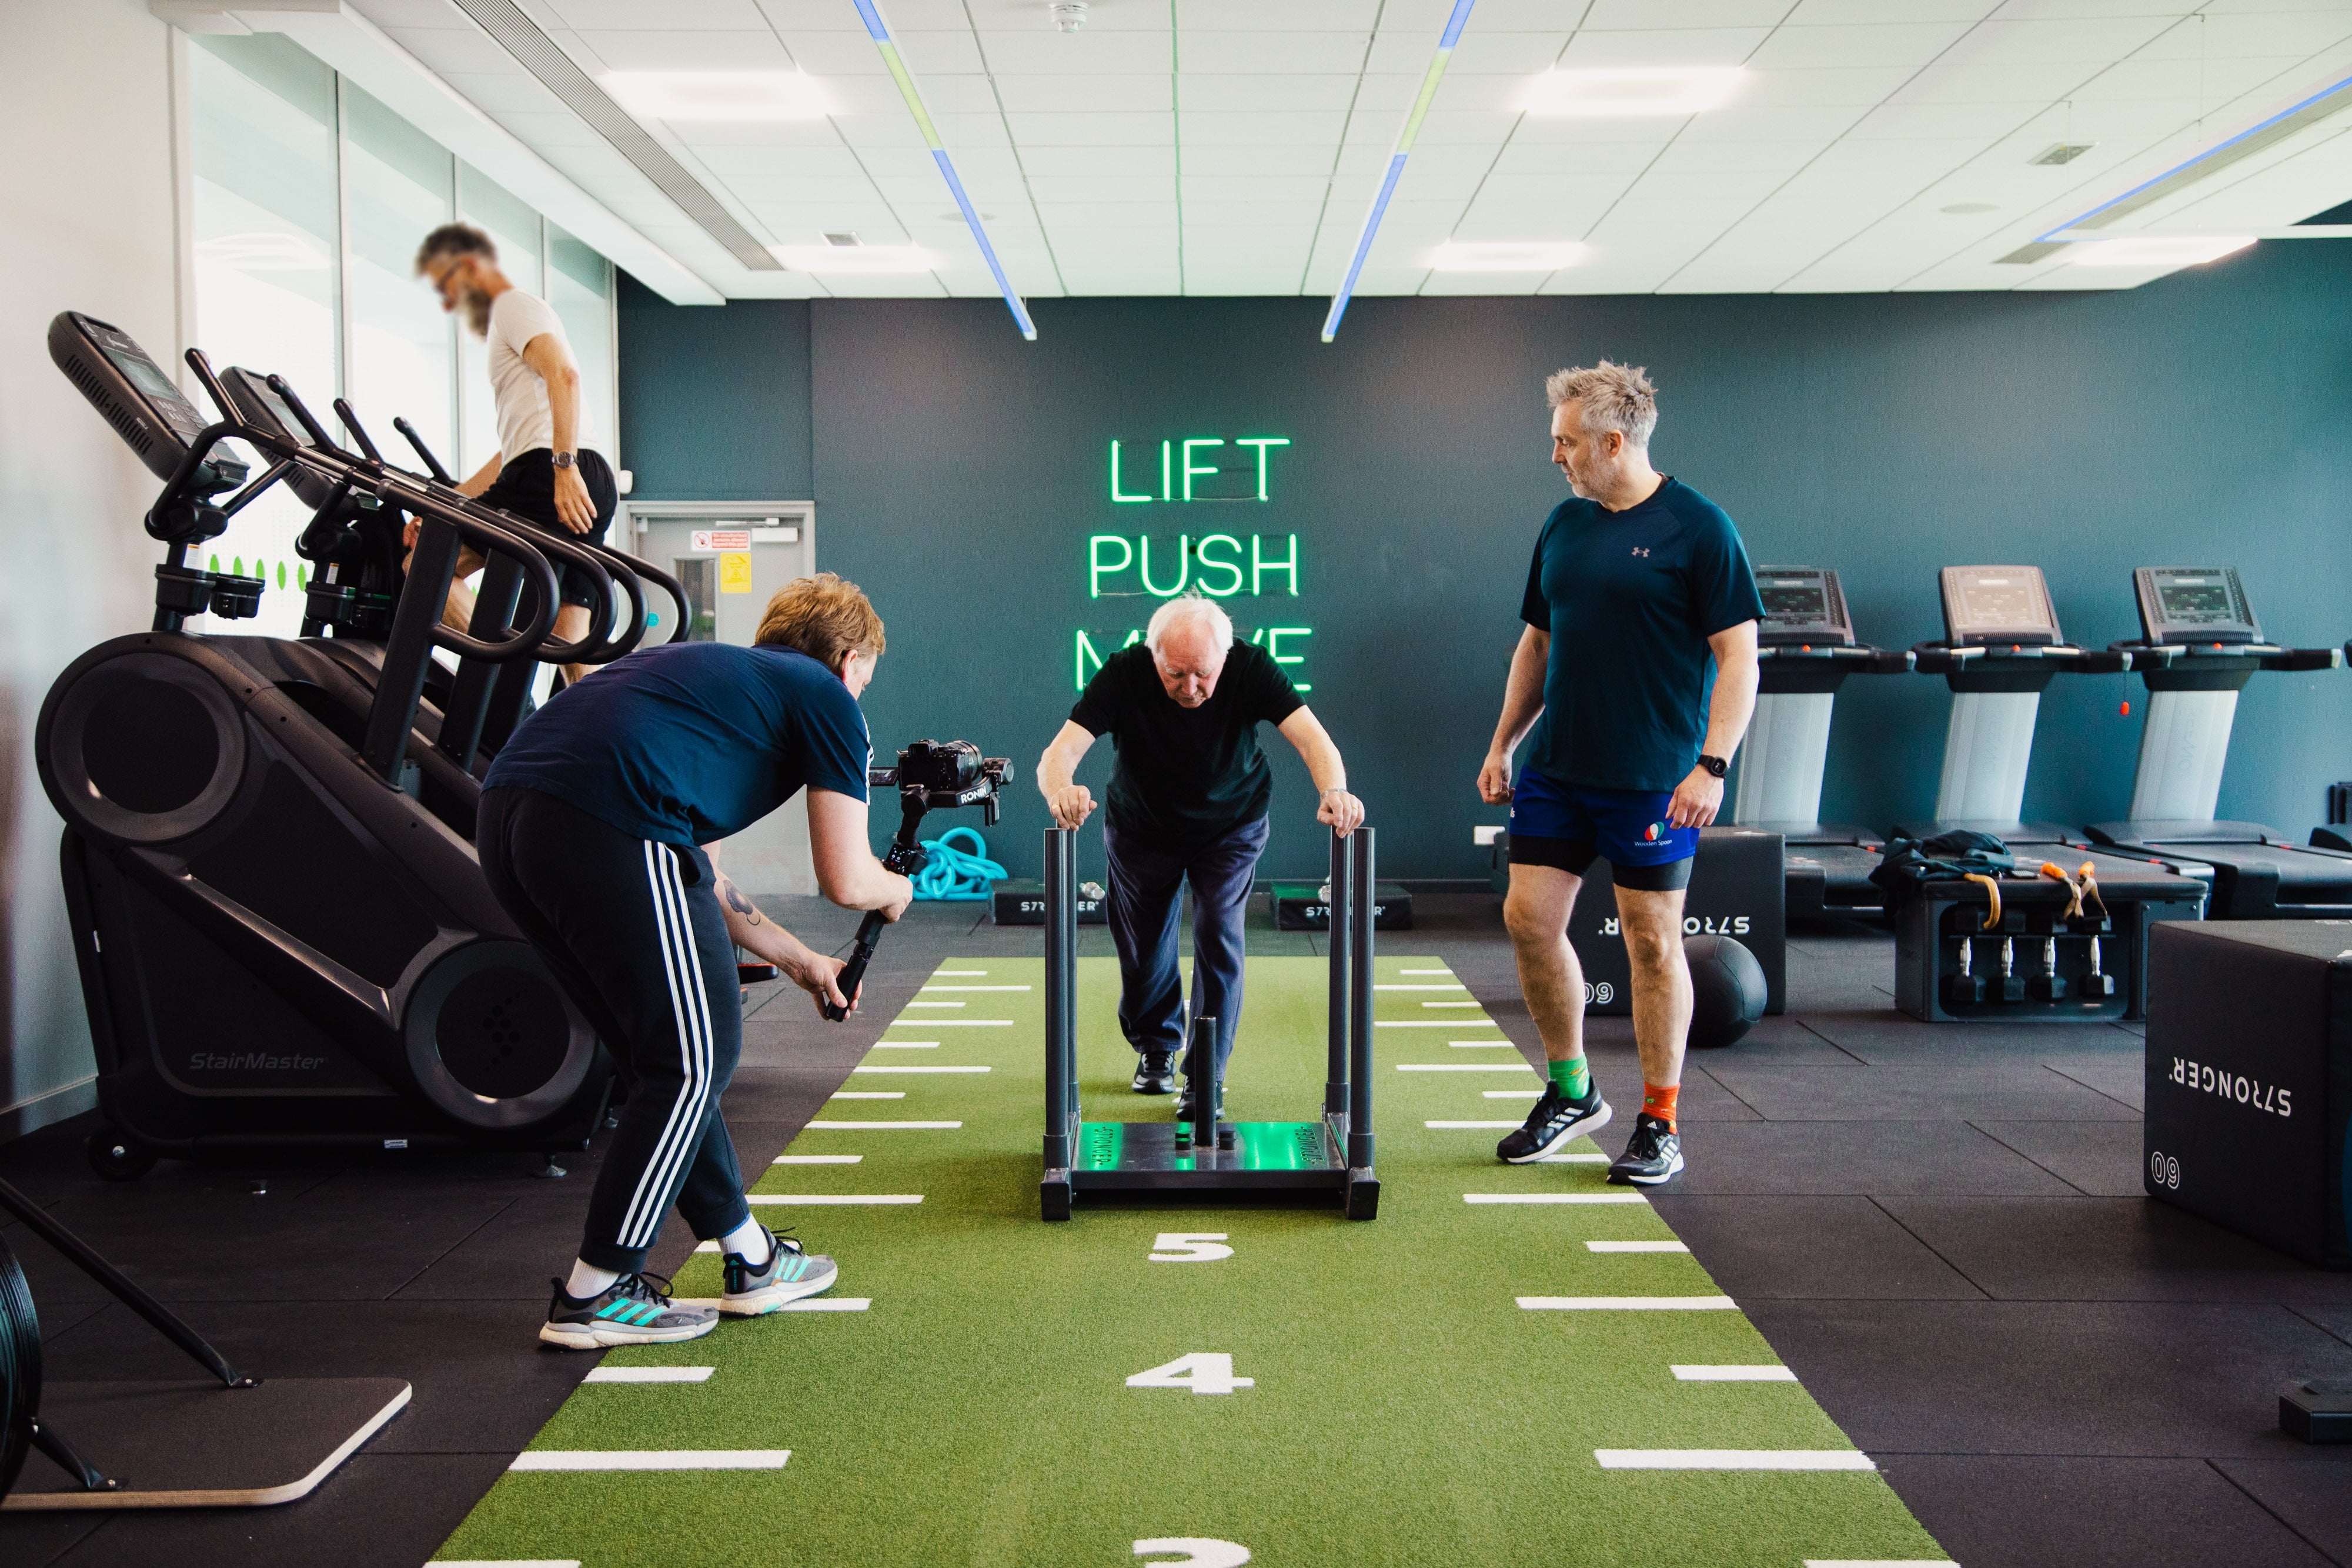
<point x="1660" y="1103"/>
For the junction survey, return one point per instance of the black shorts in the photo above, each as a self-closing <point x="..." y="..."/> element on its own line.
<point x="526" y="487"/>
<point x="1575" y="856"/>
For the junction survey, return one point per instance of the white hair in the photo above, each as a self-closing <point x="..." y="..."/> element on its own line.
<point x="1188" y="609"/>
<point x="1610" y="397"/>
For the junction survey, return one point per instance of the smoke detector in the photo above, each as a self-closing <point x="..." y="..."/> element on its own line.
<point x="1068" y="16"/>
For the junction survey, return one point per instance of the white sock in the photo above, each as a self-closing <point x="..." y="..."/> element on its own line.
<point x="587" y="1280"/>
<point x="748" y="1241"/>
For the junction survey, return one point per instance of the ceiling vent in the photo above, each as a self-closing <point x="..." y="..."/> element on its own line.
<point x="842" y="237"/>
<point x="538" y="54"/>
<point x="2062" y="153"/>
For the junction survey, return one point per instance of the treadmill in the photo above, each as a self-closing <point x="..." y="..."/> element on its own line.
<point x="2200" y="645"/>
<point x="1806" y="651"/>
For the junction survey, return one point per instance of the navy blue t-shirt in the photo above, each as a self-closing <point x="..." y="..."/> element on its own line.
<point x="691" y="742"/>
<point x="1630" y="598"/>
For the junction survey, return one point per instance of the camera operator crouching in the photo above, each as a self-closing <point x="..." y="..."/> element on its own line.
<point x="592" y="819"/>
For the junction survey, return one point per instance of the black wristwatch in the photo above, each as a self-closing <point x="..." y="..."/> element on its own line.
<point x="1714" y="765"/>
<point x="566" y="459"/>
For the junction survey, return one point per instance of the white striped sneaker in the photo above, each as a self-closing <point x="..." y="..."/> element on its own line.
<point x="789" y="1274"/>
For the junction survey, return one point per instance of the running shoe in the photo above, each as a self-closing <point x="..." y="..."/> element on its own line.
<point x="1155" y="1073"/>
<point x="1552" y="1123"/>
<point x="1653" y="1154"/>
<point x="789" y="1274"/>
<point x="635" y="1309"/>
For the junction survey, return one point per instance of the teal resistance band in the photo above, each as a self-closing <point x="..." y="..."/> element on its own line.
<point x="952" y="873"/>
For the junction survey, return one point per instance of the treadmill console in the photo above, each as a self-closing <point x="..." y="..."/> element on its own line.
<point x="257" y="405"/>
<point x="1802" y="606"/>
<point x="128" y="387"/>
<point x="1988" y="606"/>
<point x="2183" y="604"/>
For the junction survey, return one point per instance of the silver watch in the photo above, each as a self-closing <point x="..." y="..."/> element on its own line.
<point x="566" y="459"/>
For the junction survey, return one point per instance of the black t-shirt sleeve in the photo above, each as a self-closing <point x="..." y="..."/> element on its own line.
<point x="1098" y="707"/>
<point x="1722" y="584"/>
<point x="835" y="750"/>
<point x="1271" y="697"/>
<point x="1534" y="608"/>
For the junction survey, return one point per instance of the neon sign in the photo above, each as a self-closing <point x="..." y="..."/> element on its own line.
<point x="1171" y="469"/>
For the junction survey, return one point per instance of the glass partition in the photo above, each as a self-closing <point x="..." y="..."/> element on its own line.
<point x="579" y="288"/>
<point x="402" y="344"/>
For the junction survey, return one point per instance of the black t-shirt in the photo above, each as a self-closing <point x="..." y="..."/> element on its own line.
<point x="1185" y="776"/>
<point x="1630" y="598"/>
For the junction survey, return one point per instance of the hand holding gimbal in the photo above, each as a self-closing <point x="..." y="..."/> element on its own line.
<point x="931" y="776"/>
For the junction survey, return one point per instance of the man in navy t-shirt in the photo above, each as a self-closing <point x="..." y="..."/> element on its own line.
<point x="590" y="831"/>
<point x="1637" y="583"/>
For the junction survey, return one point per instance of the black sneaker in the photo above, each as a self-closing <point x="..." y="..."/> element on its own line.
<point x="789" y="1274"/>
<point x="1555" y="1120"/>
<point x="1184" y="1105"/>
<point x="635" y="1309"/>
<point x="1653" y="1154"/>
<point x="1155" y="1073"/>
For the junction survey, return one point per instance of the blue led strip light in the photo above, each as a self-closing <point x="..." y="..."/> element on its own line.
<point x="879" y="32"/>
<point x="2288" y="113"/>
<point x="1404" y="141"/>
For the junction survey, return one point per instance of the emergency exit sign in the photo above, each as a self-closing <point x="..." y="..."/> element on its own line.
<point x="722" y="539"/>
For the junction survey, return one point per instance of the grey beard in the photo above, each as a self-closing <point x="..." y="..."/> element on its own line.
<point x="477" y="312"/>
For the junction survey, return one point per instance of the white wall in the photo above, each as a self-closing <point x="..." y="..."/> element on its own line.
<point x="88" y="188"/>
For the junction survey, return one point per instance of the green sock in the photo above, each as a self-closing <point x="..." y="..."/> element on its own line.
<point x="1572" y="1078"/>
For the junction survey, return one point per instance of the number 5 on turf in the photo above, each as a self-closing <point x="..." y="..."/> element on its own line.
<point x="1202" y="1372"/>
<point x="1189" y="1246"/>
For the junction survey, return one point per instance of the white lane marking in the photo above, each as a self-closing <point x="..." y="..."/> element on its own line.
<point x="1416" y="1023"/>
<point x="932" y="987"/>
<point x="1456" y="986"/>
<point x="906" y="1045"/>
<point x="960" y="971"/>
<point x="649" y="1375"/>
<point x="1447" y="1067"/>
<point x="805" y="1304"/>
<point x="1592" y="1159"/>
<point x="1450" y="1004"/>
<point x="1553" y="1197"/>
<point x="1468" y="1125"/>
<point x="864" y="1069"/>
<point x="1733" y="1459"/>
<point x="1625" y="1304"/>
<point x="797" y="1199"/>
<point x="869" y="1094"/>
<point x="1510" y="1093"/>
<point x="1480" y="1044"/>
<point x="938" y="1004"/>
<point x="653" y="1459"/>
<point x="1635" y="1245"/>
<point x="875" y="1126"/>
<point x="1734" y="1374"/>
<point x="504" y="1562"/>
<point x="818" y="1159"/>
<point x="1425" y="971"/>
<point x="966" y="1023"/>
<point x="1880" y="1562"/>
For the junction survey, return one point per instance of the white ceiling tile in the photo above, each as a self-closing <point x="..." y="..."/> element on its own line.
<point x="1856" y="13"/>
<point x="835" y="54"/>
<point x="1780" y="157"/>
<point x="1300" y="192"/>
<point x="1708" y="184"/>
<point x="503" y="94"/>
<point x="391" y="13"/>
<point x="2077" y="40"/>
<point x="1668" y="47"/>
<point x="1084" y="95"/>
<point x="1908" y="45"/>
<point x="1059" y="191"/>
<point x="552" y="127"/>
<point x="1996" y="83"/>
<point x="2210" y="82"/>
<point x="1827" y="85"/>
<point x="1109" y="216"/>
<point x="878" y="130"/>
<point x="1262" y="94"/>
<point x="1269" y="216"/>
<point x="963" y="131"/>
<point x="1261" y="49"/>
<point x="1040" y="51"/>
<point x="710" y="16"/>
<point x="1520" y="156"/>
<point x="639" y="50"/>
<point x="937" y="54"/>
<point x="1616" y="16"/>
<point x="1092" y="130"/>
<point x="1439" y="128"/>
<point x="1531" y="193"/>
<point x="1240" y="15"/>
<point x="758" y="133"/>
<point x="2260" y="35"/>
<point x="1219" y="158"/>
<point x="1123" y="162"/>
<point x="455" y="48"/>
<point x="1912" y="122"/>
<point x="1483" y="53"/>
<point x="1206" y="128"/>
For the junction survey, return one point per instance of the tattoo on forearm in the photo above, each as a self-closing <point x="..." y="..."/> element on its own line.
<point x="736" y="901"/>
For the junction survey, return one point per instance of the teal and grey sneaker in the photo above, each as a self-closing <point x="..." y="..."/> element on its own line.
<point x="789" y="1274"/>
<point x="635" y="1309"/>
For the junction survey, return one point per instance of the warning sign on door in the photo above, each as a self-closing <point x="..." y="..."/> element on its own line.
<point x="722" y="539"/>
<point x="735" y="571"/>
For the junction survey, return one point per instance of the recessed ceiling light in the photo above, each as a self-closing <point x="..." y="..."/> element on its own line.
<point x="717" y="94"/>
<point x="1506" y="256"/>
<point x="2158" y="251"/>
<point x="857" y="258"/>
<point x="1633" y="89"/>
<point x="1961" y="209"/>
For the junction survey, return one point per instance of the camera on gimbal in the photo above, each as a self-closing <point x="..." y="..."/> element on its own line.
<point x="939" y="775"/>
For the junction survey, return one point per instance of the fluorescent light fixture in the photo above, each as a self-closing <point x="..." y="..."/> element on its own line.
<point x="853" y="258"/>
<point x="1506" y="256"/>
<point x="2156" y="250"/>
<point x="879" y="31"/>
<point x="1633" y="89"/>
<point x="1455" y="22"/>
<point x="263" y="250"/>
<point x="716" y="95"/>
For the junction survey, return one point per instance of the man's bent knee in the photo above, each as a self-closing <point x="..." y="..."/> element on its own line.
<point x="1536" y="908"/>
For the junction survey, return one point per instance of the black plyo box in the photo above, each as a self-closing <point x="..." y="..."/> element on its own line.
<point x="1735" y="891"/>
<point x="2249" y="1080"/>
<point x="1020" y="901"/>
<point x="1301" y="907"/>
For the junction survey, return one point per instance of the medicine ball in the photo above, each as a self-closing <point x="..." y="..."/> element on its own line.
<point x="1728" y="991"/>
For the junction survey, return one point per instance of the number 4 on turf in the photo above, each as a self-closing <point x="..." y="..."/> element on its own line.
<point x="1189" y="1246"/>
<point x="1202" y="1372"/>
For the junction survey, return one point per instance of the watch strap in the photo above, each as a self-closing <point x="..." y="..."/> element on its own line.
<point x="1714" y="765"/>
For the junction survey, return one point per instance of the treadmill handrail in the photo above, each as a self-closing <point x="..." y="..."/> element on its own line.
<point x="2266" y="656"/>
<point x="1934" y="658"/>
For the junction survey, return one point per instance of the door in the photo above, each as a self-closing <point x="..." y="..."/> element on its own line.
<point x="730" y="556"/>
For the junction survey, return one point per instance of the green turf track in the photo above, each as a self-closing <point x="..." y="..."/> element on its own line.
<point x="1405" y="1409"/>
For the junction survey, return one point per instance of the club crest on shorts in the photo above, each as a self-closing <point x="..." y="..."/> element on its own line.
<point x="1653" y="832"/>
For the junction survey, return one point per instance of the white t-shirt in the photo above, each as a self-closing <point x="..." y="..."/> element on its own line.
<point x="525" y="422"/>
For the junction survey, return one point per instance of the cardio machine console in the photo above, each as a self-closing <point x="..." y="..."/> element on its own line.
<point x="258" y="405"/>
<point x="1991" y="606"/>
<point x="1803" y="606"/>
<point x="2184" y="604"/>
<point x="127" y="386"/>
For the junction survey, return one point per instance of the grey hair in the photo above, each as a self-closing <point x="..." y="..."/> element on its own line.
<point x="1188" y="609"/>
<point x="1613" y="396"/>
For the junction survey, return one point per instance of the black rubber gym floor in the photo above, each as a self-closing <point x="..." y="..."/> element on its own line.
<point x="1938" y="1228"/>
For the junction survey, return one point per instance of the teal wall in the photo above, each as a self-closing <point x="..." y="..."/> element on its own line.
<point x="959" y="472"/>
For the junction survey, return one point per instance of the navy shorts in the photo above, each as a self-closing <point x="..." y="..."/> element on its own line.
<point x="1569" y="827"/>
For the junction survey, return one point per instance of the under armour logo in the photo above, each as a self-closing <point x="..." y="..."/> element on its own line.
<point x="1641" y="549"/>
